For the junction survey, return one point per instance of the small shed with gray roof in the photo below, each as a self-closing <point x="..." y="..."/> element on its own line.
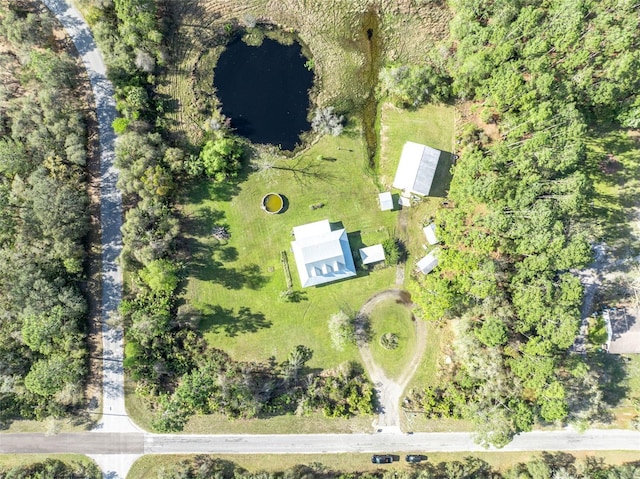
<point x="417" y="168"/>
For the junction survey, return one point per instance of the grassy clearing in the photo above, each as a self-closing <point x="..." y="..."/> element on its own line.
<point x="332" y="32"/>
<point x="52" y="426"/>
<point x="432" y="125"/>
<point x="391" y="317"/>
<point x="236" y="286"/>
<point x="150" y="465"/>
<point x="313" y="424"/>
<point x="625" y="412"/>
<point x="615" y="158"/>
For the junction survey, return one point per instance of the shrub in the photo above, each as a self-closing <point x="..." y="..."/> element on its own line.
<point x="411" y="86"/>
<point x="341" y="330"/>
<point x="120" y="125"/>
<point x="393" y="251"/>
<point x="389" y="341"/>
<point x="325" y="121"/>
<point x="220" y="158"/>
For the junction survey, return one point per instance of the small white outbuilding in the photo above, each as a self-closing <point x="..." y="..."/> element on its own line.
<point x="386" y="201"/>
<point x="430" y="233"/>
<point x="372" y="254"/>
<point x="428" y="263"/>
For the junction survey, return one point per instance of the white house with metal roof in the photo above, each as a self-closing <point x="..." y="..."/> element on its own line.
<point x="417" y="168"/>
<point x="321" y="255"/>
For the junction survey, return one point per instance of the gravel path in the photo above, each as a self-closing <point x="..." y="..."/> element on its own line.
<point x="389" y="391"/>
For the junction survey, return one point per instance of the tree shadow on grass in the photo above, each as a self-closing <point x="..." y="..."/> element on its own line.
<point x="210" y="190"/>
<point x="208" y="264"/>
<point x="217" y="319"/>
<point x="612" y="372"/>
<point x="201" y="223"/>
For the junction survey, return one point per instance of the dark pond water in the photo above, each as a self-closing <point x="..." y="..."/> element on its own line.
<point x="264" y="90"/>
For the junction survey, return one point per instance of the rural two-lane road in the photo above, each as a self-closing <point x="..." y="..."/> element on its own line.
<point x="138" y="443"/>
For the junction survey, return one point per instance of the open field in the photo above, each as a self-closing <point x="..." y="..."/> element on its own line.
<point x="391" y="317"/>
<point x="332" y="32"/>
<point x="235" y="286"/>
<point x="615" y="157"/>
<point x="148" y="466"/>
<point x="431" y="125"/>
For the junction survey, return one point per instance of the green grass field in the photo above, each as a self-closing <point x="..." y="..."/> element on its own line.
<point x="236" y="286"/>
<point x="615" y="158"/>
<point x="390" y="317"/>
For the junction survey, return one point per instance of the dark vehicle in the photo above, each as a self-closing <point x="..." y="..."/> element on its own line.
<point x="415" y="458"/>
<point x="381" y="459"/>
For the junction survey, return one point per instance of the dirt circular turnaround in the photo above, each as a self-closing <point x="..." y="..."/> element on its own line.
<point x="388" y="391"/>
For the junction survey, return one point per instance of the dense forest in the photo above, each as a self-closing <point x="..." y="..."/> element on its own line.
<point x="517" y="224"/>
<point x="547" y="466"/>
<point x="43" y="219"/>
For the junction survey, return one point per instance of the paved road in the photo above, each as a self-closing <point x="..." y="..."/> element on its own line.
<point x="111" y="444"/>
<point x="115" y="418"/>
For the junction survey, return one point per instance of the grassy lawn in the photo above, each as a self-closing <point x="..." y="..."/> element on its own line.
<point x="236" y="286"/>
<point x="625" y="411"/>
<point x="390" y="317"/>
<point x="150" y="465"/>
<point x="615" y="158"/>
<point x="432" y="125"/>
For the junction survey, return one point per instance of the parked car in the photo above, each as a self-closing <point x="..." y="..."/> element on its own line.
<point x="382" y="459"/>
<point x="415" y="458"/>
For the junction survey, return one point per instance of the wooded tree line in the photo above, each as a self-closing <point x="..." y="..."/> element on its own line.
<point x="43" y="219"/>
<point x="517" y="223"/>
<point x="548" y="466"/>
<point x="52" y="469"/>
<point x="250" y="389"/>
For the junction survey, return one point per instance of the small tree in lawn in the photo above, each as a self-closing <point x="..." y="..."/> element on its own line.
<point x="220" y="158"/>
<point x="341" y="330"/>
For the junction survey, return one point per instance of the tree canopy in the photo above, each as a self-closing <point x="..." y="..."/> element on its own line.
<point x="517" y="223"/>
